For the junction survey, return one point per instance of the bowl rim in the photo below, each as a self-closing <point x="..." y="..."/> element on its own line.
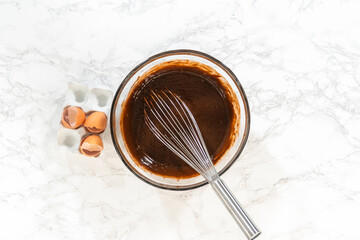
<point x="169" y="53"/>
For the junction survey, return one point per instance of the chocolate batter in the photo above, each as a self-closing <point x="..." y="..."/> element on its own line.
<point x="209" y="98"/>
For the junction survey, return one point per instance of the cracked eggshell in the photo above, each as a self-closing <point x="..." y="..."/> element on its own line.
<point x="72" y="117"/>
<point x="96" y="122"/>
<point x="91" y="146"/>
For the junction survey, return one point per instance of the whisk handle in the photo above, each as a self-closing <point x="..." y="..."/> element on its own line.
<point x="234" y="207"/>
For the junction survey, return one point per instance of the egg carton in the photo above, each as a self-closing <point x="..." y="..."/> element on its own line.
<point x="89" y="99"/>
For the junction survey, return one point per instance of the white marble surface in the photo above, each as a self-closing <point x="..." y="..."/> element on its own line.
<point x="298" y="61"/>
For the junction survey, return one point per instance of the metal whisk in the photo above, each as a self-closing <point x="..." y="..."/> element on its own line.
<point x="170" y="120"/>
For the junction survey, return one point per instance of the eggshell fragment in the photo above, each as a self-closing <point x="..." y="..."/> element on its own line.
<point x="96" y="122"/>
<point x="72" y="117"/>
<point x="91" y="146"/>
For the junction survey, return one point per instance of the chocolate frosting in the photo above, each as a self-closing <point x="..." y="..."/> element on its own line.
<point x="207" y="95"/>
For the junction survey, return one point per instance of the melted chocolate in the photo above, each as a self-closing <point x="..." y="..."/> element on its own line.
<point x="208" y="98"/>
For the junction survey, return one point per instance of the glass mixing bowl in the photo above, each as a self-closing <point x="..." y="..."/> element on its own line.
<point x="121" y="95"/>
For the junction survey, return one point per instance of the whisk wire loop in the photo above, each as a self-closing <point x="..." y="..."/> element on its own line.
<point x="181" y="133"/>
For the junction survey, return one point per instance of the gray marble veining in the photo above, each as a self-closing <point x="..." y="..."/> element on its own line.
<point x="298" y="61"/>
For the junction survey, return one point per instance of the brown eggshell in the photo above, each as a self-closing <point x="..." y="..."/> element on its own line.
<point x="91" y="146"/>
<point x="72" y="117"/>
<point x="96" y="122"/>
